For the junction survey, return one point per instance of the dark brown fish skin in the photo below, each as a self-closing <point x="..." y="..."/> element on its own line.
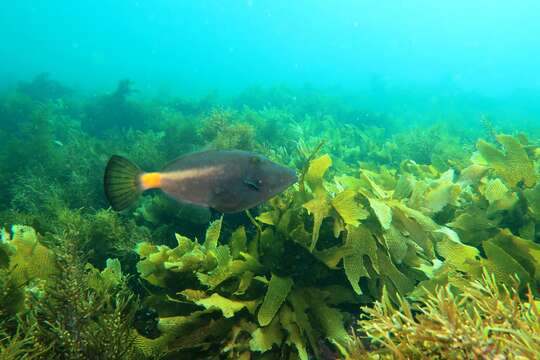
<point x="226" y="180"/>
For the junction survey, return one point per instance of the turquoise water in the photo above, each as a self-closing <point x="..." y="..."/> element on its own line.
<point x="486" y="47"/>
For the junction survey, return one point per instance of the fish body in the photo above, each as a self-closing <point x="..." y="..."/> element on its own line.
<point x="226" y="180"/>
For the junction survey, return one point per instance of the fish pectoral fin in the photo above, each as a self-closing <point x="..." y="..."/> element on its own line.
<point x="253" y="184"/>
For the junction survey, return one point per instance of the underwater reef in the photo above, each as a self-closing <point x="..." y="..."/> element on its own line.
<point x="398" y="241"/>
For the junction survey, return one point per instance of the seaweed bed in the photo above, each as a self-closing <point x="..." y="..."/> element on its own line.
<point x="397" y="242"/>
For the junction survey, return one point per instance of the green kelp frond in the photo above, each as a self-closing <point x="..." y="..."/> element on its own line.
<point x="469" y="319"/>
<point x="277" y="292"/>
<point x="364" y="220"/>
<point x="27" y="258"/>
<point x="456" y="254"/>
<point x="319" y="205"/>
<point x="264" y="338"/>
<point x="212" y="235"/>
<point x="407" y="238"/>
<point x="533" y="201"/>
<point x="349" y="208"/>
<point x="227" y="306"/>
<point x="157" y="261"/>
<point x="19" y="278"/>
<point x="329" y="319"/>
<point x="315" y="173"/>
<point x="504" y="255"/>
<point x="389" y="237"/>
<point x="509" y="255"/>
<point x="382" y="211"/>
<point x="499" y="196"/>
<point x="182" y="335"/>
<point x="294" y="331"/>
<point x="364" y="244"/>
<point x="433" y="195"/>
<point x="513" y="165"/>
<point x="474" y="224"/>
<point x="320" y="209"/>
<point x="241" y="290"/>
<point x="109" y="278"/>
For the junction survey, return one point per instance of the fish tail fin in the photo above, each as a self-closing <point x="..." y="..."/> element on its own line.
<point x="121" y="182"/>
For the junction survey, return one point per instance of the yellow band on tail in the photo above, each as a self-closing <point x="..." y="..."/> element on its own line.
<point x="150" y="181"/>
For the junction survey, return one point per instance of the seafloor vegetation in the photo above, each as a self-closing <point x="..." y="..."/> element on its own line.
<point x="399" y="241"/>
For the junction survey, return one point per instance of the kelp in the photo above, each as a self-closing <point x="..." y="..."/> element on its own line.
<point x="464" y="319"/>
<point x="398" y="215"/>
<point x="496" y="214"/>
<point x="513" y="165"/>
<point x="376" y="238"/>
<point x="278" y="290"/>
<point x="394" y="237"/>
<point x="358" y="238"/>
<point x="237" y="286"/>
<point x="25" y="256"/>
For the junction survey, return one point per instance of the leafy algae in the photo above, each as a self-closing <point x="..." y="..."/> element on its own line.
<point x="401" y="224"/>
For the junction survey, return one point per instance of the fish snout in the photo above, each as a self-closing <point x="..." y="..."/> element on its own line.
<point x="292" y="177"/>
<point x="286" y="178"/>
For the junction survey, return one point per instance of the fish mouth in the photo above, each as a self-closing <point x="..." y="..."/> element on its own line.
<point x="293" y="178"/>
